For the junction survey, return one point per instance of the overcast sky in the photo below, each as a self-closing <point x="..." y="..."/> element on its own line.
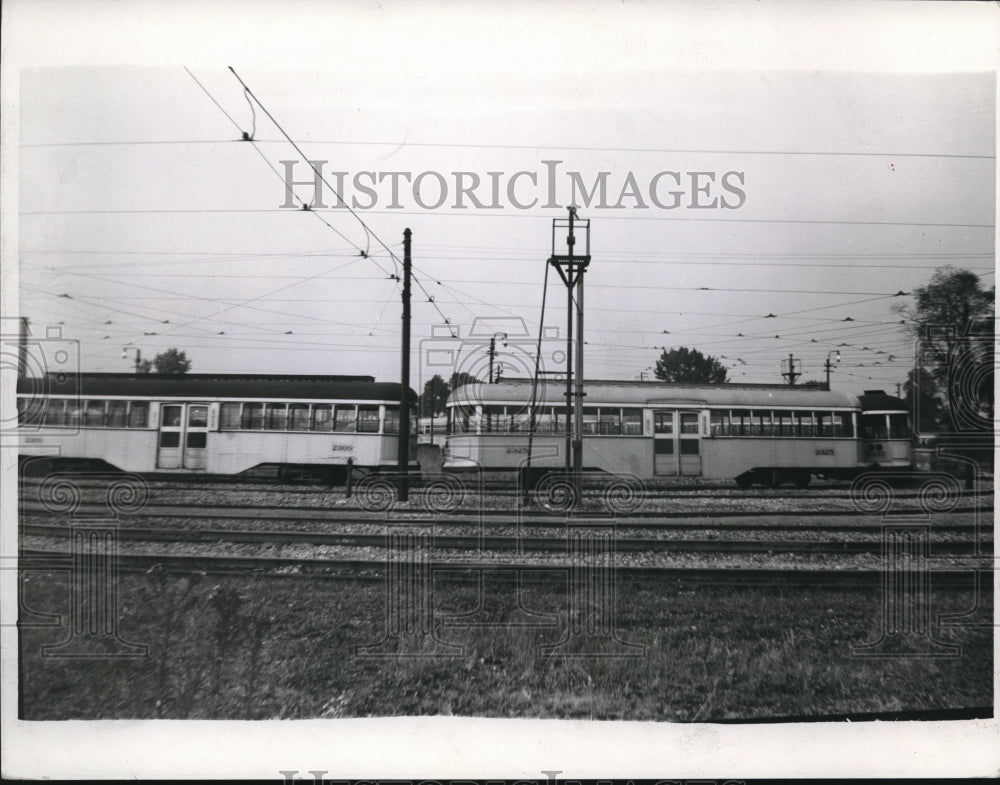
<point x="144" y="221"/>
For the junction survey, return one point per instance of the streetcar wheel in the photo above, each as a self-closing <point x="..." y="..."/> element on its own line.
<point x="744" y="481"/>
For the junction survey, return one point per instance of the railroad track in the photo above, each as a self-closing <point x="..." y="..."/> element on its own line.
<point x="472" y="571"/>
<point x="743" y="523"/>
<point x="499" y="543"/>
<point x="650" y="492"/>
<point x="208" y="511"/>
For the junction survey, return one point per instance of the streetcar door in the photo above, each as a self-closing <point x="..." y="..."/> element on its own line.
<point x="689" y="444"/>
<point x="664" y="448"/>
<point x="196" y="436"/>
<point x="168" y="452"/>
<point x="183" y="436"/>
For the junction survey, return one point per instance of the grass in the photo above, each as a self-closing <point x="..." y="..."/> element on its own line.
<point x="264" y="648"/>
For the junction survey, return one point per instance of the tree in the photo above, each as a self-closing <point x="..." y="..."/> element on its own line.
<point x="923" y="399"/>
<point x="433" y="398"/>
<point x="689" y="366"/>
<point x="437" y="390"/>
<point x="952" y="319"/>
<point x="145" y="366"/>
<point x="458" y="379"/>
<point x="171" y="361"/>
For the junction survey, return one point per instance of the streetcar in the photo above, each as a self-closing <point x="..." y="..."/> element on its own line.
<point x="766" y="434"/>
<point x="213" y="423"/>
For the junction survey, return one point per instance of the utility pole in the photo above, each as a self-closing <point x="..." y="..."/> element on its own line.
<point x="138" y="357"/>
<point x="493" y="354"/>
<point x="571" y="268"/>
<point x="828" y="366"/>
<point x="403" y="458"/>
<point x="22" y="347"/>
<point x="791" y="374"/>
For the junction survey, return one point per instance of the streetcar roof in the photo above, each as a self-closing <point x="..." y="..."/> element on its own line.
<point x="205" y="385"/>
<point x="653" y="394"/>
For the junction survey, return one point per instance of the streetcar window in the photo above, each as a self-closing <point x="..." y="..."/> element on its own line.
<point x="460" y="421"/>
<point x="29" y="411"/>
<point x="494" y="419"/>
<point x="368" y="419"/>
<point x="663" y="446"/>
<point x="689" y="446"/>
<point x="783" y="424"/>
<point x="54" y="412"/>
<point x="519" y="420"/>
<point x="803" y="423"/>
<point x="718" y="423"/>
<point x="898" y="426"/>
<point x="842" y="424"/>
<point x="298" y="416"/>
<point x="589" y="420"/>
<point x="740" y="422"/>
<point x="276" y="416"/>
<point x="117" y="413"/>
<point x="170" y="438"/>
<point x="73" y="410"/>
<point x="632" y="422"/>
<point x="610" y="422"/>
<point x="93" y="414"/>
<point x="138" y="414"/>
<point x="663" y="422"/>
<point x="544" y="421"/>
<point x="322" y="416"/>
<point x="346" y="418"/>
<point x="824" y="424"/>
<point x="197" y="439"/>
<point x="689" y="422"/>
<point x="170" y="417"/>
<point x="391" y="420"/>
<point x="229" y="417"/>
<point x="198" y="416"/>
<point x="252" y="418"/>
<point x="760" y="424"/>
<point x="873" y="426"/>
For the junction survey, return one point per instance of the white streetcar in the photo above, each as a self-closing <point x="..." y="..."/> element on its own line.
<point x="213" y="423"/>
<point x="765" y="434"/>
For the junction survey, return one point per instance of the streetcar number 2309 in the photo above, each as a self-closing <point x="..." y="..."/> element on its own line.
<point x="342" y="448"/>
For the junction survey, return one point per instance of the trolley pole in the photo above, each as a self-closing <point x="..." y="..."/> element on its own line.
<point x="571" y="267"/>
<point x="402" y="459"/>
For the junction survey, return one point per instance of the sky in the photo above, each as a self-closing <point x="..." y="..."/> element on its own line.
<point x="858" y="141"/>
<point x="145" y="220"/>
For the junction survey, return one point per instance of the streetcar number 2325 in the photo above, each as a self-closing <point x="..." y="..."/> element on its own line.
<point x="824" y="451"/>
